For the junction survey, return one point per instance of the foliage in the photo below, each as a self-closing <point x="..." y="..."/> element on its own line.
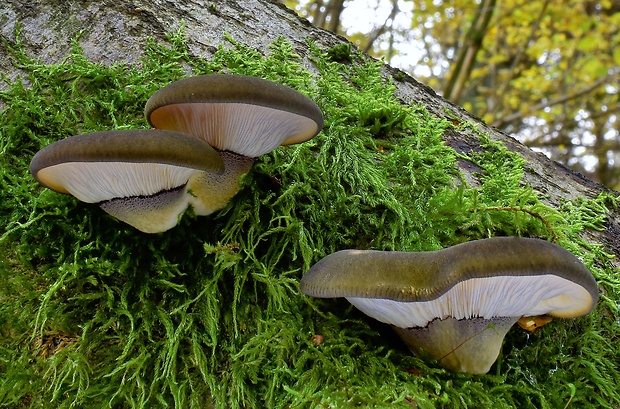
<point x="546" y="71"/>
<point x="94" y="313"/>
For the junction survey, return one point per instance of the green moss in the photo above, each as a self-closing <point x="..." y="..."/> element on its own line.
<point x="94" y="313"/>
<point x="340" y="53"/>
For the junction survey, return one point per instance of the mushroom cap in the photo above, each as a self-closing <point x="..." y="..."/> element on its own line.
<point x="246" y="115"/>
<point x="496" y="277"/>
<point x="106" y="165"/>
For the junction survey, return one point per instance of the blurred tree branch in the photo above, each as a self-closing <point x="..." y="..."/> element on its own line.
<point x="462" y="68"/>
<point x="502" y="122"/>
<point x="531" y="68"/>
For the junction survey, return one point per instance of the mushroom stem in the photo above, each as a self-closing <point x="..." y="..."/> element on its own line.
<point x="466" y="345"/>
<point x="138" y="176"/>
<point x="210" y="192"/>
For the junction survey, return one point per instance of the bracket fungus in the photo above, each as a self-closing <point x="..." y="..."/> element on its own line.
<point x="242" y="117"/>
<point x="457" y="304"/>
<point x="138" y="176"/>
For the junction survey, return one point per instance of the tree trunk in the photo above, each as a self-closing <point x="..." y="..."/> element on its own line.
<point x="335" y="9"/>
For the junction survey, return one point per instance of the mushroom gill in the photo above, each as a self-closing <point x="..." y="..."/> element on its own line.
<point x="246" y="115"/>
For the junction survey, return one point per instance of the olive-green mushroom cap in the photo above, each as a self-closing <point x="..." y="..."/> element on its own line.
<point x="138" y="176"/>
<point x="246" y="115"/>
<point x="457" y="304"/>
<point x="106" y="165"/>
<point x="496" y="277"/>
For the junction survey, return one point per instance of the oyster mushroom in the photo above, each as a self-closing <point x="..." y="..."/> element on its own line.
<point x="138" y="176"/>
<point x="242" y="117"/>
<point x="457" y="304"/>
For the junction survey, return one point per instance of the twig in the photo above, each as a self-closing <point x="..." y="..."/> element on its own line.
<point x="531" y="213"/>
<point x="520" y="115"/>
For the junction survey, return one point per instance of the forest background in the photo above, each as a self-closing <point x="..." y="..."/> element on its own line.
<point x="546" y="71"/>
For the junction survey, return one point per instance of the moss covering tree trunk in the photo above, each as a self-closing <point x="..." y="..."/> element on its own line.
<point x="96" y="314"/>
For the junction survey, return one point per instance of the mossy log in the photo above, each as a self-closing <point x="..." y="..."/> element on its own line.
<point x="94" y="313"/>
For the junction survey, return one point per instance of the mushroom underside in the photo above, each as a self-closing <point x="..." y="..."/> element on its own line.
<point x="94" y="182"/>
<point x="246" y="129"/>
<point x="458" y="303"/>
<point x="463" y="329"/>
<point x="488" y="297"/>
<point x="205" y="192"/>
<point x="150" y="214"/>
<point x="209" y="192"/>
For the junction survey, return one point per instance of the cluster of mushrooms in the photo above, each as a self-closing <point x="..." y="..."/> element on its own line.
<point x="455" y="305"/>
<point x="208" y="131"/>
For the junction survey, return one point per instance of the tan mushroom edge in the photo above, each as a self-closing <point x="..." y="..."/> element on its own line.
<point x="138" y="176"/>
<point x="242" y="117"/>
<point x="458" y="303"/>
<point x="245" y="115"/>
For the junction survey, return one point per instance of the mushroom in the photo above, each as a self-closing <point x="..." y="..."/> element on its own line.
<point x="138" y="176"/>
<point x="246" y="115"/>
<point x="457" y="304"/>
<point x="243" y="117"/>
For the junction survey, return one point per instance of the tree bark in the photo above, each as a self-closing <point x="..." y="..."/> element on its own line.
<point x="113" y="31"/>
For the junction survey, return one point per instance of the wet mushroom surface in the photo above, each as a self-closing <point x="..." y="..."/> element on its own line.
<point x="457" y="304"/>
<point x="138" y="176"/>
<point x="242" y="117"/>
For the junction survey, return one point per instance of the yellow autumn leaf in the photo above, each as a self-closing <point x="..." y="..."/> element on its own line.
<point x="587" y="44"/>
<point x="594" y="68"/>
<point x="617" y="56"/>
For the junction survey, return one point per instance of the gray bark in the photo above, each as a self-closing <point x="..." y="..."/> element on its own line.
<point x="116" y="31"/>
